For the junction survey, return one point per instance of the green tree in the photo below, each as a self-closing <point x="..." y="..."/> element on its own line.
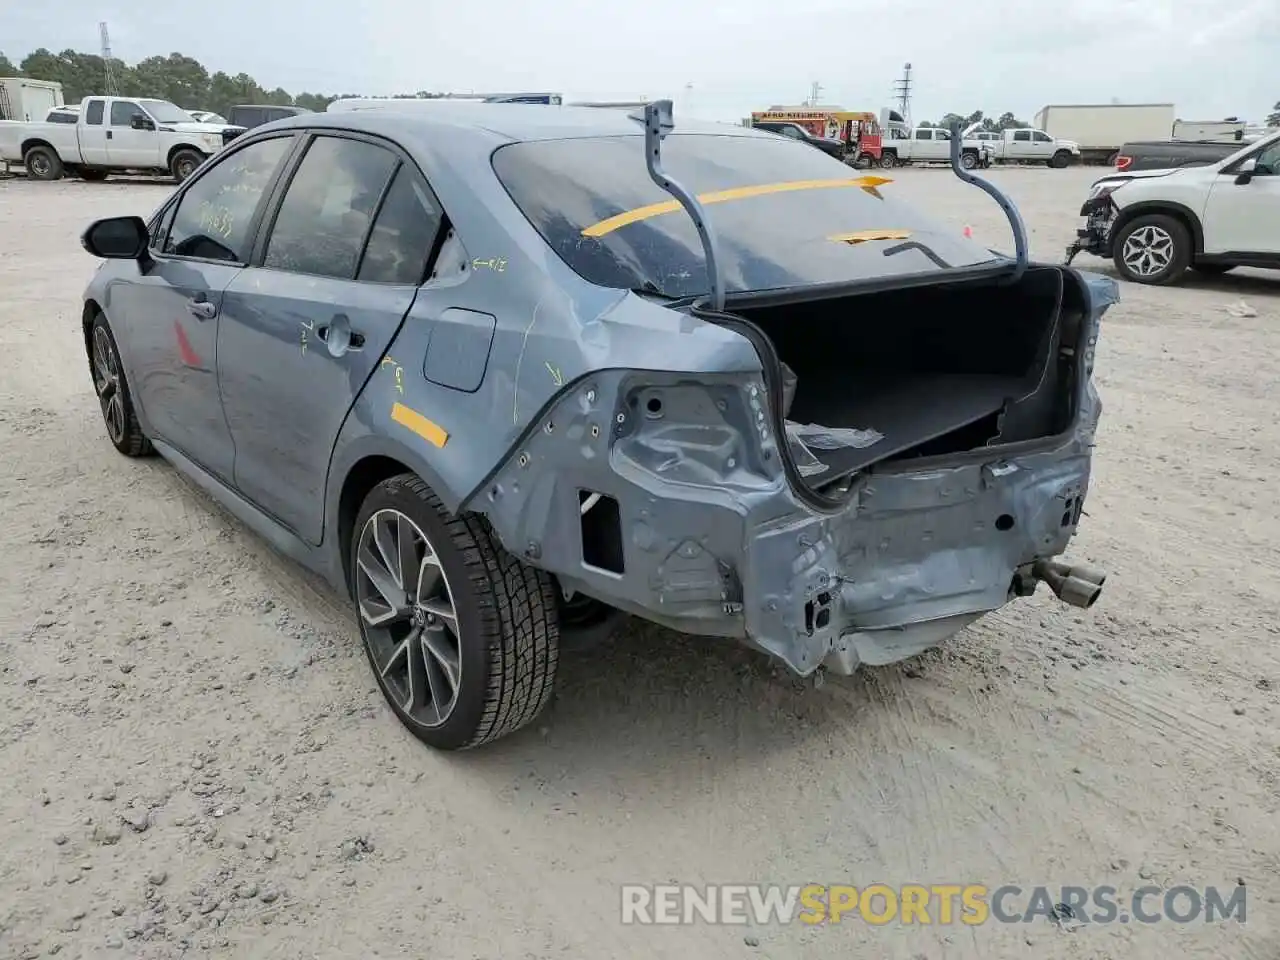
<point x="7" y="68"/>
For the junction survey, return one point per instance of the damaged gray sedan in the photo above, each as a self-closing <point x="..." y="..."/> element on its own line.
<point x="502" y="373"/>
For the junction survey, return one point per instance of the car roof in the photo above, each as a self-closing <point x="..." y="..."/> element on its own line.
<point x="509" y="122"/>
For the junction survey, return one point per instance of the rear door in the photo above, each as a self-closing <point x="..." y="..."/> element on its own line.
<point x="302" y="330"/>
<point x="127" y="145"/>
<point x="167" y="319"/>
<point x="92" y="132"/>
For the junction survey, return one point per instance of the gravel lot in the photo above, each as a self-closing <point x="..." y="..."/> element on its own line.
<point x="194" y="760"/>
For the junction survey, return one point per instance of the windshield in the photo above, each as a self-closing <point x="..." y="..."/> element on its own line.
<point x="162" y="111"/>
<point x="785" y="215"/>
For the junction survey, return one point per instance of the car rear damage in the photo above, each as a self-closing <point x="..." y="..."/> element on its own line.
<point x="707" y="503"/>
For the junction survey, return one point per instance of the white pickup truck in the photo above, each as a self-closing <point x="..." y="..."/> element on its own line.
<point x="1026" y="145"/>
<point x="114" y="134"/>
<point x="932" y="145"/>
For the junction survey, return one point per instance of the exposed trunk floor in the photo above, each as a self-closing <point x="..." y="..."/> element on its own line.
<point x="907" y="410"/>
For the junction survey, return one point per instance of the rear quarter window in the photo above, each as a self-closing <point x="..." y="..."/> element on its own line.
<point x="807" y="227"/>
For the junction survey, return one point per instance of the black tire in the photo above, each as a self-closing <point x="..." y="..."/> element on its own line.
<point x="184" y="163"/>
<point x="91" y="175"/>
<point x="1061" y="159"/>
<point x="43" y="163"/>
<point x="888" y="160"/>
<point x="112" y="390"/>
<point x="1213" y="269"/>
<point x="1166" y="239"/>
<point x="968" y="159"/>
<point x="508" y="635"/>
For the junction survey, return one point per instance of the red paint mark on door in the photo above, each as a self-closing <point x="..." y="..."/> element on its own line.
<point x="189" y="356"/>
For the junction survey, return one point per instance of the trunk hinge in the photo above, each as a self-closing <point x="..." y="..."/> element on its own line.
<point x="658" y="122"/>
<point x="1010" y="211"/>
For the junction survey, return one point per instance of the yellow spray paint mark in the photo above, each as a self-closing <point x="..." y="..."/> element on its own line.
<point x="428" y="430"/>
<point x="399" y="372"/>
<point x="723" y="196"/>
<point x="862" y="236"/>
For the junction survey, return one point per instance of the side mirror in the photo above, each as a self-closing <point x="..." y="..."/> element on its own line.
<point x="140" y="122"/>
<point x="1244" y="172"/>
<point x="117" y="238"/>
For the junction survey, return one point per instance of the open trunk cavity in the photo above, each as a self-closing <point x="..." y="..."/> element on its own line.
<point x="924" y="371"/>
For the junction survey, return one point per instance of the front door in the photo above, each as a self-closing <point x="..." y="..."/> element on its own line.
<point x="303" y="332"/>
<point x="174" y="309"/>
<point x="1242" y="217"/>
<point x="129" y="147"/>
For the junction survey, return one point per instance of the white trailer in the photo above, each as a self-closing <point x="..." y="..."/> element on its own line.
<point x="1101" y="128"/>
<point x="1230" y="130"/>
<point x="22" y="98"/>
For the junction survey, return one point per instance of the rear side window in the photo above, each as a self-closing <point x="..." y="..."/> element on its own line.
<point x="784" y="217"/>
<point x="328" y="210"/>
<point x="56" y="116"/>
<point x="404" y="233"/>
<point x="215" y="214"/>
<point x="247" y="117"/>
<point x="93" y="113"/>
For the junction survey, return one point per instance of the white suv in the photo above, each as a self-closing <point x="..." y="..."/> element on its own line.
<point x="1157" y="223"/>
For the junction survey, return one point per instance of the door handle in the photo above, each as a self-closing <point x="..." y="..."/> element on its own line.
<point x="108" y="134"/>
<point x="202" y="309"/>
<point x="338" y="336"/>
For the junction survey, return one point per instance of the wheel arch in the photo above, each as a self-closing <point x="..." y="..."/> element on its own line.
<point x="32" y="142"/>
<point x="179" y="147"/>
<point x="364" y="463"/>
<point x="88" y="314"/>
<point x="1169" y="208"/>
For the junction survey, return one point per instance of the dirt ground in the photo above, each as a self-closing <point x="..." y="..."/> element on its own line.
<point x="194" y="760"/>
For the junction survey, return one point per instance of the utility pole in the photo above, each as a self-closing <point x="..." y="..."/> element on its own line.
<point x="902" y="89"/>
<point x="111" y="90"/>
<point x="815" y="89"/>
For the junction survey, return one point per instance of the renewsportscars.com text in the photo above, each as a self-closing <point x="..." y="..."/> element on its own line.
<point x="920" y="904"/>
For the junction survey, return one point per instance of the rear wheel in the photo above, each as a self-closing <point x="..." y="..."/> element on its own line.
<point x="112" y="387"/>
<point x="462" y="637"/>
<point x="888" y="161"/>
<point x="43" y="163"/>
<point x="1153" y="249"/>
<point x="184" y="164"/>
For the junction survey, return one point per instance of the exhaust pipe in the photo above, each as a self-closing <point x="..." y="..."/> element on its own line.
<point x="1077" y="584"/>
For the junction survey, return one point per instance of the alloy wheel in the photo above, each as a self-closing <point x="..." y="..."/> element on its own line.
<point x="409" y="618"/>
<point x="1148" y="251"/>
<point x="106" y="368"/>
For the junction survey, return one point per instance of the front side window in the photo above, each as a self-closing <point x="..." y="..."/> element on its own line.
<point x="784" y="218"/>
<point x="924" y="134"/>
<point x="122" y="112"/>
<point x="329" y="207"/>
<point x="1043" y="137"/>
<point x="1268" y="162"/>
<point x="215" y="214"/>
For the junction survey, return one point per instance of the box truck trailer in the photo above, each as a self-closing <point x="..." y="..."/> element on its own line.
<point x="1101" y="128"/>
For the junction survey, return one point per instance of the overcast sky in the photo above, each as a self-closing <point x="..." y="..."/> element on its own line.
<point x="718" y="59"/>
